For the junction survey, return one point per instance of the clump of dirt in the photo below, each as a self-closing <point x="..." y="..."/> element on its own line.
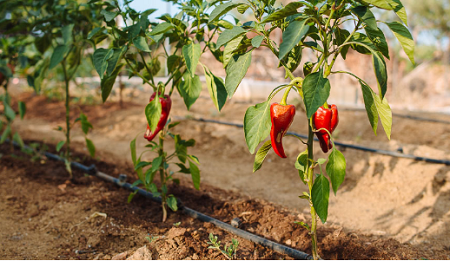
<point x="45" y="216"/>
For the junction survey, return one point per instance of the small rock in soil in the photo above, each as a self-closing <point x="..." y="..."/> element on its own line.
<point x="175" y="232"/>
<point x="121" y="256"/>
<point x="141" y="254"/>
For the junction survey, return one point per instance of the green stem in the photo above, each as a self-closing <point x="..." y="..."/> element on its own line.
<point x="310" y="176"/>
<point x="66" y="79"/>
<point x="163" y="177"/>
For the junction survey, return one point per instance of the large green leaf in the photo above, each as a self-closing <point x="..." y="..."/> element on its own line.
<point x="141" y="43"/>
<point x="236" y="70"/>
<point x="380" y="72"/>
<point x="295" y="32"/>
<point x="404" y="37"/>
<point x="216" y="89"/>
<point x="114" y="59"/>
<point x="229" y="35"/>
<point x="366" y="16"/>
<point x="195" y="174"/>
<point x="221" y="10"/>
<point x="376" y="106"/>
<point x="161" y="28"/>
<point x="58" y="55"/>
<point x="316" y="90"/>
<point x="191" y="54"/>
<point x="108" y="81"/>
<point x="379" y="40"/>
<point x="229" y="48"/>
<point x="257" y="124"/>
<point x="108" y="15"/>
<point x="399" y="9"/>
<point x="320" y="194"/>
<point x="100" y="58"/>
<point x="153" y="113"/>
<point x="289" y="9"/>
<point x="261" y="155"/>
<point x="383" y="4"/>
<point x="336" y="169"/>
<point x="257" y="40"/>
<point x="190" y="89"/>
<point x="67" y="33"/>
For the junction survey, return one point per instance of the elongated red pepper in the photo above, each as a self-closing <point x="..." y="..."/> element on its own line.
<point x="325" y="119"/>
<point x="281" y="117"/>
<point x="166" y="104"/>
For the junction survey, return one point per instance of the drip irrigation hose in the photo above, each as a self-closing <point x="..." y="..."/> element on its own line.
<point x="121" y="181"/>
<point x="344" y="145"/>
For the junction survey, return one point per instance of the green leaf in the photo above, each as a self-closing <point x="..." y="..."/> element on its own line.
<point x="320" y="194"/>
<point x="141" y="43"/>
<point x="321" y="161"/>
<point x="257" y="124"/>
<point x="191" y="54"/>
<point x="366" y="16"/>
<point x="195" y="173"/>
<point x="379" y="40"/>
<point x="316" y="90"/>
<point x="383" y="4"/>
<point x="336" y="169"/>
<point x="374" y="107"/>
<point x="289" y="9"/>
<point x="173" y="62"/>
<point x="94" y="32"/>
<point x="399" y="9"/>
<point x="60" y="145"/>
<point x="229" y="49"/>
<point x="385" y="113"/>
<point x="161" y="28"/>
<point x="221" y="10"/>
<point x="190" y="89"/>
<point x="216" y="89"/>
<point x="113" y="60"/>
<point x="18" y="140"/>
<point x="85" y="124"/>
<point x="236" y="70"/>
<point x="261" y="155"/>
<point x="380" y="72"/>
<point x="242" y="8"/>
<point x="172" y="203"/>
<point x="133" y="151"/>
<point x="22" y="109"/>
<point x="107" y="82"/>
<point x="142" y="164"/>
<point x="153" y="113"/>
<point x="9" y="112"/>
<point x="295" y="32"/>
<point x="58" y="55"/>
<point x="100" y="58"/>
<point x="108" y="15"/>
<point x="228" y="35"/>
<point x="301" y="164"/>
<point x="5" y="134"/>
<point x="404" y="37"/>
<point x="257" y="40"/>
<point x="156" y="163"/>
<point x="67" y="33"/>
<point x="91" y="147"/>
<point x="371" y="108"/>
<point x="131" y="196"/>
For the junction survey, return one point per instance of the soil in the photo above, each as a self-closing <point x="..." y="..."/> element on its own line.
<point x="388" y="208"/>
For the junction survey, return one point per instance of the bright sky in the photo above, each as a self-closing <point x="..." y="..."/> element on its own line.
<point x="162" y="6"/>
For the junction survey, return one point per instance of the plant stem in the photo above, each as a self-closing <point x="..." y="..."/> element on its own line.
<point x="310" y="175"/>
<point x="66" y="80"/>
<point x="163" y="177"/>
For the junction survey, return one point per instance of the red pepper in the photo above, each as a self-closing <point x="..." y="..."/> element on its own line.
<point x="327" y="119"/>
<point x="281" y="117"/>
<point x="166" y="104"/>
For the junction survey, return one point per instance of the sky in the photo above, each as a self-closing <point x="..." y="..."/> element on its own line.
<point x="161" y="6"/>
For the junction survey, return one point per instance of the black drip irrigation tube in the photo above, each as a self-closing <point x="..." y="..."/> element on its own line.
<point x="344" y="145"/>
<point x="121" y="181"/>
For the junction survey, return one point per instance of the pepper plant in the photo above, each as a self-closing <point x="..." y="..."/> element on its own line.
<point x="329" y="28"/>
<point x="62" y="29"/>
<point x="140" y="46"/>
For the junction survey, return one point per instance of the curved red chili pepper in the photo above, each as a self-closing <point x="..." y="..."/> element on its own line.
<point x="281" y="117"/>
<point x="166" y="104"/>
<point x="325" y="119"/>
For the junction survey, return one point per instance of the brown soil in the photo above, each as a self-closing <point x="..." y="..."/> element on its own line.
<point x="383" y="200"/>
